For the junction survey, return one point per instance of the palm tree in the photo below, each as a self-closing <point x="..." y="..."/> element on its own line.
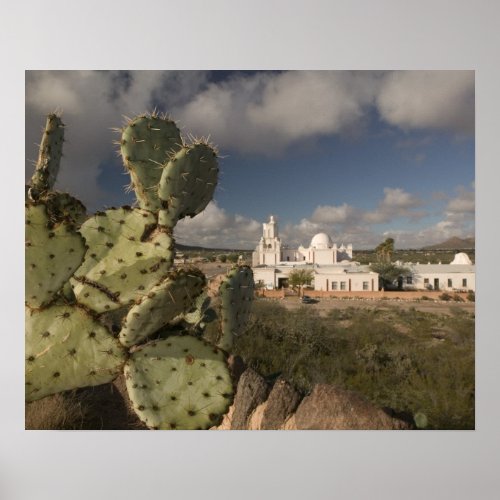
<point x="385" y="250"/>
<point x="300" y="277"/>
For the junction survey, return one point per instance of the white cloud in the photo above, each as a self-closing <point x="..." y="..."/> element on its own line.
<point x="266" y="112"/>
<point x="341" y="214"/>
<point x="428" y="99"/>
<point x="215" y="228"/>
<point x="396" y="203"/>
<point x="348" y="224"/>
<point x="464" y="203"/>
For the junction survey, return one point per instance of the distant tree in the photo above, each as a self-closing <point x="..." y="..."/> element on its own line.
<point x="385" y="250"/>
<point x="298" y="278"/>
<point x="232" y="257"/>
<point x="389" y="273"/>
<point x="222" y="258"/>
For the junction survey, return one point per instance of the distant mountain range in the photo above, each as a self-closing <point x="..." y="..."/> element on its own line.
<point x="453" y="244"/>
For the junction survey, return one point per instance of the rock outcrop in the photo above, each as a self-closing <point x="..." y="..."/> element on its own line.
<point x="261" y="406"/>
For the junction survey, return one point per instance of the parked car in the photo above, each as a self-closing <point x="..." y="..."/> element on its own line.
<point x="308" y="300"/>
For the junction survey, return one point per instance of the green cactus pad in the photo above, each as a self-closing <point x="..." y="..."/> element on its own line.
<point x="146" y="144"/>
<point x="66" y="349"/>
<point x="187" y="183"/>
<point x="53" y="252"/>
<point x="236" y="295"/>
<point x="63" y="206"/>
<point x="179" y="383"/>
<point x="197" y="314"/>
<point x="127" y="256"/>
<point x="49" y="156"/>
<point x="163" y="303"/>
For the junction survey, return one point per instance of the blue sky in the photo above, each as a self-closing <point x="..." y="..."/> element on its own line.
<point x="360" y="155"/>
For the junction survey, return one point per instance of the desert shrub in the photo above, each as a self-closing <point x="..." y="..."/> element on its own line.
<point x="445" y="296"/>
<point x="471" y="296"/>
<point x="425" y="297"/>
<point x="457" y="298"/>
<point x="407" y="372"/>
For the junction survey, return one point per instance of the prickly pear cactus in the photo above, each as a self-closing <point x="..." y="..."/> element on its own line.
<point x="67" y="348"/>
<point x="187" y="183"/>
<point x="103" y="297"/>
<point x="146" y="143"/>
<point x="53" y="253"/>
<point x="179" y="383"/>
<point x="49" y="156"/>
<point x="174" y="295"/>
<point x="236" y="296"/>
<point x="126" y="256"/>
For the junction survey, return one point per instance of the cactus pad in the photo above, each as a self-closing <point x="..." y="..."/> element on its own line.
<point x="62" y="206"/>
<point x="236" y="296"/>
<point x="179" y="383"/>
<point x="127" y="255"/>
<point x="53" y="252"/>
<point x="49" y="156"/>
<point x="66" y="349"/>
<point x="163" y="303"/>
<point x="187" y="183"/>
<point x="146" y="144"/>
<point x="197" y="314"/>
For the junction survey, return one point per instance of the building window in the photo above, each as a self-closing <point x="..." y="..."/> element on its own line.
<point x="335" y="285"/>
<point x="409" y="280"/>
<point x="464" y="282"/>
<point x="449" y="283"/>
<point x="342" y="285"/>
<point x="426" y="281"/>
<point x="365" y="285"/>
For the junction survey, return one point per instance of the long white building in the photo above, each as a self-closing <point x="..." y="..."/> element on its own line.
<point x="334" y="269"/>
<point x="459" y="275"/>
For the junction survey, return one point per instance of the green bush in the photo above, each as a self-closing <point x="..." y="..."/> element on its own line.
<point x="363" y="350"/>
<point x="445" y="296"/>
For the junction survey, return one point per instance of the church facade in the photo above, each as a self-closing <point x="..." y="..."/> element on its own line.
<point x="335" y="270"/>
<point x="332" y="265"/>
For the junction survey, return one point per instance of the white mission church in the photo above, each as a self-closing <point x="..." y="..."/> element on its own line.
<point x="334" y="269"/>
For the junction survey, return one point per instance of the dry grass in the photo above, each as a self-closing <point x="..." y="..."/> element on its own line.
<point x="93" y="408"/>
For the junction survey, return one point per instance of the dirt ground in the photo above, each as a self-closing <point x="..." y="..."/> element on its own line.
<point x="325" y="305"/>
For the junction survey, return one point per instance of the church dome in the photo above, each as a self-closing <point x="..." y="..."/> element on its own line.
<point x="321" y="241"/>
<point x="461" y="258"/>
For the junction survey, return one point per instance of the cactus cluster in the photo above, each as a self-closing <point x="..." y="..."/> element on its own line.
<point x="104" y="298"/>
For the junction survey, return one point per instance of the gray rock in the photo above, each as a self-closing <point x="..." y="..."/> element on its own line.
<point x="252" y="390"/>
<point x="330" y="407"/>
<point x="281" y="403"/>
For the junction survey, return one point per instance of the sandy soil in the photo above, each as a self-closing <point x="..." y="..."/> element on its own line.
<point x="325" y="305"/>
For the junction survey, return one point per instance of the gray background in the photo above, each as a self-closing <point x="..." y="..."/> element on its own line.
<point x="272" y="34"/>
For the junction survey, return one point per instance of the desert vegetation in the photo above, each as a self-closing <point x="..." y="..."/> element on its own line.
<point x="410" y="361"/>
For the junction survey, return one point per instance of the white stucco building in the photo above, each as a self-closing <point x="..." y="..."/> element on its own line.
<point x="459" y="275"/>
<point x="334" y="270"/>
<point x="271" y="252"/>
<point x="332" y="265"/>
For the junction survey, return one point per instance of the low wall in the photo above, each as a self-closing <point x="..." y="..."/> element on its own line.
<point x="272" y="294"/>
<point x="413" y="295"/>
